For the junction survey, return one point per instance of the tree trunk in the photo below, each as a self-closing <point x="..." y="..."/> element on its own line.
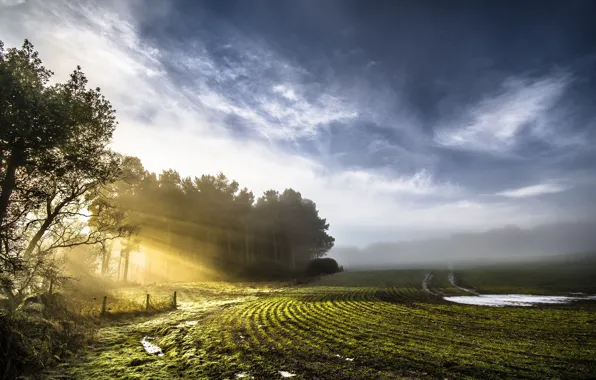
<point x="119" y="266"/>
<point x="229" y="241"/>
<point x="275" y="248"/>
<point x="14" y="161"/>
<point x="126" y="261"/>
<point x="292" y="256"/>
<point x="246" y="242"/>
<point x="107" y="256"/>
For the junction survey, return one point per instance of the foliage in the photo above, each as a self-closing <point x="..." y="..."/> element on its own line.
<point x="54" y="160"/>
<point x="32" y="342"/>
<point x="210" y="222"/>
<point x="318" y="267"/>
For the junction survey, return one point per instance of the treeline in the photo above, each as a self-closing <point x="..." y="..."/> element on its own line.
<point x="210" y="223"/>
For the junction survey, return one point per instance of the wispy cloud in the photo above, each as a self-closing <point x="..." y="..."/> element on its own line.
<point x="420" y="183"/>
<point x="189" y="124"/>
<point x="533" y="190"/>
<point x="10" y="3"/>
<point x="494" y="123"/>
<point x="276" y="98"/>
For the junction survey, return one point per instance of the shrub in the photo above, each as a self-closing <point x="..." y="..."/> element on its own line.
<point x="38" y="334"/>
<point x="318" y="267"/>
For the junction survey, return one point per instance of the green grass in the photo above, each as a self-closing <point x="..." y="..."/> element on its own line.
<point x="383" y="320"/>
<point x="554" y="278"/>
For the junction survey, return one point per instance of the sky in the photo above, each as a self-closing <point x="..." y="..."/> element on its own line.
<point x="402" y="120"/>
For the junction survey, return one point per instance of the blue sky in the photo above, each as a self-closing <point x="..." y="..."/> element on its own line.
<point x="401" y="120"/>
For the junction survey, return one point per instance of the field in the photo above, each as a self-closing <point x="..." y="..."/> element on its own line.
<point x="352" y="325"/>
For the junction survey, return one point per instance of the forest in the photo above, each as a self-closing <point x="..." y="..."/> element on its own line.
<point x="65" y="193"/>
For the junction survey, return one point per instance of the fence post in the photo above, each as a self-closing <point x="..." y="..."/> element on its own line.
<point x="174" y="299"/>
<point x="147" y="304"/>
<point x="103" y="305"/>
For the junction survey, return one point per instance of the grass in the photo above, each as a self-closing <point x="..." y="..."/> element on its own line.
<point x="353" y="325"/>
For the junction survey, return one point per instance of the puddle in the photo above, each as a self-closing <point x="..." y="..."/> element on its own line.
<point x="286" y="374"/>
<point x="347" y="359"/>
<point x="514" y="299"/>
<point x="150" y="347"/>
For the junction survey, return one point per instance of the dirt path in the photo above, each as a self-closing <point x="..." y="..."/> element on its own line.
<point x="451" y="278"/>
<point x="426" y="283"/>
<point x="116" y="351"/>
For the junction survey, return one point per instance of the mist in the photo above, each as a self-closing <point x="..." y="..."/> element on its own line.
<point x="507" y="244"/>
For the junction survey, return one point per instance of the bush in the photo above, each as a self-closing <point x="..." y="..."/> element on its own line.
<point x="324" y="266"/>
<point x="38" y="334"/>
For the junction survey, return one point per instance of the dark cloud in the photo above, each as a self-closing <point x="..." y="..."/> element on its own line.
<point x="401" y="119"/>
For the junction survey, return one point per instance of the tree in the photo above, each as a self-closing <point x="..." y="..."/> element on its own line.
<point x="55" y="160"/>
<point x="113" y="209"/>
<point x="46" y="129"/>
<point x="243" y="205"/>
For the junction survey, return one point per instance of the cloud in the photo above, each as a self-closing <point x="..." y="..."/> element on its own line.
<point x="420" y="183"/>
<point x="276" y="98"/>
<point x="203" y="111"/>
<point x="11" y="3"/>
<point x="495" y="122"/>
<point x="533" y="190"/>
<point x="286" y="92"/>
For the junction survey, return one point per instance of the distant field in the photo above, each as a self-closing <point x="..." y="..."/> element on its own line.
<point x="547" y="277"/>
<point x="365" y="325"/>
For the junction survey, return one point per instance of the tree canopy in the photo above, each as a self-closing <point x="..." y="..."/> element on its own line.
<point x="213" y="224"/>
<point x="54" y="161"/>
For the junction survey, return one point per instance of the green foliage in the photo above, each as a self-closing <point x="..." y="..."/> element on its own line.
<point x="318" y="267"/>
<point x="31" y="342"/>
<point x="551" y="277"/>
<point x="210" y="222"/>
<point x="54" y="160"/>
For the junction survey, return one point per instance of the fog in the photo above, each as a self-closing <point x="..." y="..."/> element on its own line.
<point x="506" y="244"/>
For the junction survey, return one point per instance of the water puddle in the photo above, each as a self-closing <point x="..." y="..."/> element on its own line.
<point x="499" y="300"/>
<point x="347" y="359"/>
<point x="286" y="374"/>
<point x="150" y="347"/>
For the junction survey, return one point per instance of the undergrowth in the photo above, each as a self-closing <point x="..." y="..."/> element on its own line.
<point x="47" y="329"/>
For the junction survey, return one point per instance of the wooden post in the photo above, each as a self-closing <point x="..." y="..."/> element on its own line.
<point x="147" y="304"/>
<point x="174" y="299"/>
<point x="51" y="286"/>
<point x="103" y="306"/>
